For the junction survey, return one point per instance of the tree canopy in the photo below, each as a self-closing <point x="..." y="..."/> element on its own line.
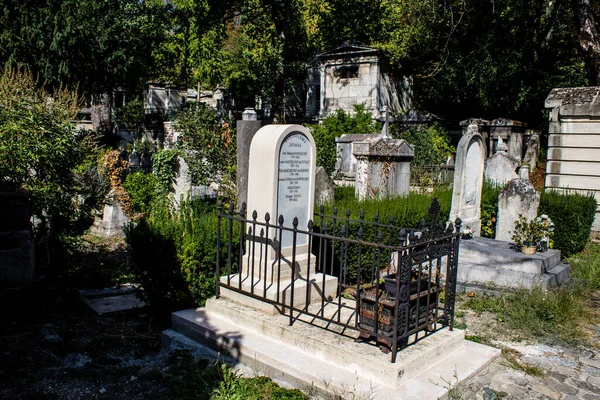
<point x="475" y="58"/>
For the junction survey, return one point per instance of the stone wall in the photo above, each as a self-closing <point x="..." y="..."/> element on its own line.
<point x="574" y="142"/>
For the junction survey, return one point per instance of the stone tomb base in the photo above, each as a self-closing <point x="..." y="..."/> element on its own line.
<point x="332" y="363"/>
<point x="489" y="262"/>
<point x="284" y="289"/>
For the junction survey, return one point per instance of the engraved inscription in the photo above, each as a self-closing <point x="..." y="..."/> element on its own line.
<point x="293" y="195"/>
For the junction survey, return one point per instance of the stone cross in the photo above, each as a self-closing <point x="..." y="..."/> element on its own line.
<point x="468" y="179"/>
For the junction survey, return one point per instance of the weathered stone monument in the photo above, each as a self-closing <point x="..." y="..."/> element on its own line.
<point x="501" y="167"/>
<point x="383" y="167"/>
<point x="345" y="165"/>
<point x="519" y="197"/>
<point x="246" y="129"/>
<point x="324" y="187"/>
<point x="468" y="179"/>
<point x="281" y="182"/>
<point x="512" y="132"/>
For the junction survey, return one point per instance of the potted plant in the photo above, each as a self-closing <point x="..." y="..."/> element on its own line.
<point x="528" y="234"/>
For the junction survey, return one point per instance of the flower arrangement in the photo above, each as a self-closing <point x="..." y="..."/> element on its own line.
<point x="531" y="233"/>
<point x="467" y="232"/>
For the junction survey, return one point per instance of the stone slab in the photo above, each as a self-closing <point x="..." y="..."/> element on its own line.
<point x="489" y="275"/>
<point x="307" y="368"/>
<point x="503" y="255"/>
<point x="110" y="300"/>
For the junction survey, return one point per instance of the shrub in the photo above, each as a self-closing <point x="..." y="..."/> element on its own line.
<point x="174" y="254"/>
<point x="573" y="215"/>
<point x="432" y="145"/>
<point x="489" y="208"/>
<point x="336" y="125"/>
<point x="39" y="149"/>
<point x="405" y="212"/>
<point x="142" y="191"/>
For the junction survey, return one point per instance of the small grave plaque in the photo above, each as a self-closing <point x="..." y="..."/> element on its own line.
<point x="293" y="191"/>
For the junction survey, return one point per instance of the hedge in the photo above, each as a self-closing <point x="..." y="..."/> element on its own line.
<point x="573" y="215"/>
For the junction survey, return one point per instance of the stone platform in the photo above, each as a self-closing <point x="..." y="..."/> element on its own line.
<point x="316" y="359"/>
<point x="489" y="262"/>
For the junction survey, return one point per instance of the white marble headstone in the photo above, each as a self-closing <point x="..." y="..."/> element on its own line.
<point x="281" y="177"/>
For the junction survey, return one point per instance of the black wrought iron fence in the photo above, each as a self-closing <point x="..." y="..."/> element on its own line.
<point x="391" y="284"/>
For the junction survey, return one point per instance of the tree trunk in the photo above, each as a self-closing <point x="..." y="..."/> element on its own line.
<point x="588" y="38"/>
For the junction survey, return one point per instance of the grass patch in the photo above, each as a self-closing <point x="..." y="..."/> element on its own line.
<point x="479" y="339"/>
<point x="559" y="313"/>
<point x="199" y="379"/>
<point x="586" y="265"/>
<point x="512" y="361"/>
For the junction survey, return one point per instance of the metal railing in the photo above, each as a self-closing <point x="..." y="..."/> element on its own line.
<point x="392" y="285"/>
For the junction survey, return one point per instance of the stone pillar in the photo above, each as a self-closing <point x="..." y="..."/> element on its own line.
<point x="519" y="197"/>
<point x="383" y="167"/>
<point x="468" y="179"/>
<point x="512" y="132"/>
<point x="246" y="129"/>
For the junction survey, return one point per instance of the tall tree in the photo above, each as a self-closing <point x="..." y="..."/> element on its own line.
<point x="589" y="38"/>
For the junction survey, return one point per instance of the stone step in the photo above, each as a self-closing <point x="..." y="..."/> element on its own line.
<point x="339" y="350"/>
<point x="298" y="364"/>
<point x="500" y="254"/>
<point x="490" y="275"/>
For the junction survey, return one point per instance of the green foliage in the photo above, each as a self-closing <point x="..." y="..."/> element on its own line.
<point x="174" y="254"/>
<point x="336" y="125"/>
<point x="573" y="215"/>
<point x="407" y="212"/>
<point x="586" y="266"/>
<point x="489" y="208"/>
<point x="344" y="193"/>
<point x="529" y="233"/>
<point x="96" y="45"/>
<point x="199" y="379"/>
<point x="432" y="145"/>
<point x="538" y="313"/>
<point x="164" y="166"/>
<point x="131" y="115"/>
<point x="142" y="190"/>
<point x="209" y="148"/>
<point x="39" y="150"/>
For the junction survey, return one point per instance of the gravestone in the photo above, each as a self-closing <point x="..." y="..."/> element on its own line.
<point x="383" y="167"/>
<point x="501" y="167"/>
<point x="468" y="179"/>
<point x="281" y="182"/>
<point x="519" y="197"/>
<point x="324" y="187"/>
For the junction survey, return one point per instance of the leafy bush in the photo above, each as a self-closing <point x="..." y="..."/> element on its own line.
<point x="432" y="145"/>
<point x="405" y="212"/>
<point x="336" y="125"/>
<point x="142" y="191"/>
<point x="573" y="215"/>
<point x="209" y="148"/>
<point x="489" y="208"/>
<point x="174" y="254"/>
<point x="39" y="149"/>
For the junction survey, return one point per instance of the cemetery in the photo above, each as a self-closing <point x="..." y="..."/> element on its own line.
<point x="300" y="200"/>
